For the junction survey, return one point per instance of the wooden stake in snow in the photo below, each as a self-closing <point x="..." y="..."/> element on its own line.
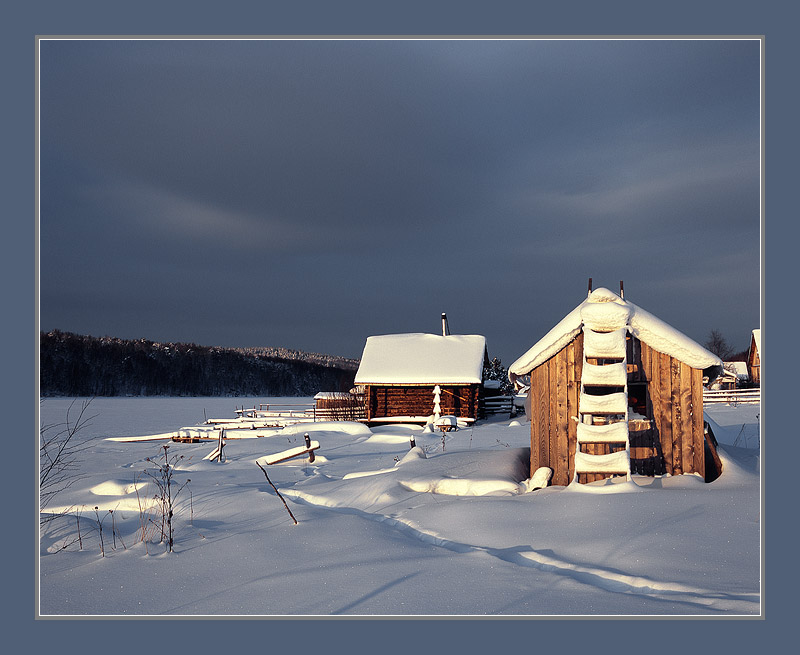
<point x="308" y="445"/>
<point x="277" y="492"/>
<point x="217" y="454"/>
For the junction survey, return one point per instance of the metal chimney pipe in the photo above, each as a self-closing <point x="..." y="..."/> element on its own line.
<point x="445" y="326"/>
<point x="621" y="290"/>
<point x="590" y="287"/>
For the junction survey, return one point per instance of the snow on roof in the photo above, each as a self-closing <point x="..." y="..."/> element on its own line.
<point x="422" y="359"/>
<point x="604" y="310"/>
<point x="739" y="369"/>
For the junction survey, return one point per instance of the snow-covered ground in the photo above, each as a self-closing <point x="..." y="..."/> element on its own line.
<point x="446" y="528"/>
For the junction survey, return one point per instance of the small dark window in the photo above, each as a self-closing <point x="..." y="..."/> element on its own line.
<point x="637" y="397"/>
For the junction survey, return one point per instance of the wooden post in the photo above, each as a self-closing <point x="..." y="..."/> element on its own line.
<point x="221" y="444"/>
<point x="311" y="456"/>
<point x="278" y="493"/>
<point x="413" y="443"/>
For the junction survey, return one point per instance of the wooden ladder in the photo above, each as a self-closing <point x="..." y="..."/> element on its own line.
<point x="602" y="407"/>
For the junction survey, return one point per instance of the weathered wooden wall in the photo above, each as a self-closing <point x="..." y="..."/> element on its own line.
<point x="675" y="405"/>
<point x="670" y="440"/>
<point x="554" y="392"/>
<point x="417" y="400"/>
<point x="754" y="362"/>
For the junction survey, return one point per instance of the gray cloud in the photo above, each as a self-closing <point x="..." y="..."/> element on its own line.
<point x="365" y="186"/>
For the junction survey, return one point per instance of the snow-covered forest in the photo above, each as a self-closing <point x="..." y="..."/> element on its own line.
<point x="78" y="365"/>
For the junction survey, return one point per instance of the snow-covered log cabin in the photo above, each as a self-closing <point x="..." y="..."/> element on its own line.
<point x="615" y="391"/>
<point x="399" y="372"/>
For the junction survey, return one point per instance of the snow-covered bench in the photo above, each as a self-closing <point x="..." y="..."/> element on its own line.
<point x="446" y="423"/>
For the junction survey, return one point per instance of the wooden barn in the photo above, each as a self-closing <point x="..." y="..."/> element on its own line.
<point x="399" y="373"/>
<point x="616" y="391"/>
<point x="754" y="358"/>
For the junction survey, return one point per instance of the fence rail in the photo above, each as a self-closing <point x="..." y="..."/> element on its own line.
<point x="498" y="405"/>
<point x="732" y="396"/>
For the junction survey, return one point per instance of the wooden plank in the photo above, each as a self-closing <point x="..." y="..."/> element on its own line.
<point x="534" y="420"/>
<point x="647" y="376"/>
<point x="651" y="375"/>
<point x="547" y="412"/>
<point x="562" y="417"/>
<point x="656" y="465"/>
<point x="649" y="453"/>
<point x="579" y="352"/>
<point x="290" y="454"/>
<point x="639" y="451"/>
<point x="572" y="403"/>
<point x="552" y="373"/>
<point x="543" y="396"/>
<point x="687" y="436"/>
<point x="665" y="396"/>
<point x="675" y="417"/>
<point x="698" y="439"/>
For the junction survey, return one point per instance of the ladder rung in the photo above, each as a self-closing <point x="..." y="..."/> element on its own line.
<point x="612" y="403"/>
<point x="605" y="316"/>
<point x="604" y="344"/>
<point x="618" y="462"/>
<point x="610" y="375"/>
<point x="609" y="433"/>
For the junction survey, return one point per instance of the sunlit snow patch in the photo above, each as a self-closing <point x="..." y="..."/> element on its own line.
<point x="461" y="486"/>
<point x="116" y="488"/>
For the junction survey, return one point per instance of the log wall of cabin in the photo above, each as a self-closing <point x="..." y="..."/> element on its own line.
<point x="669" y="440"/>
<point x="417" y="400"/>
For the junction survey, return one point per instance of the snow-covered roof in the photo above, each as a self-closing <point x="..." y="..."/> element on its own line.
<point x="605" y="311"/>
<point x="422" y="359"/>
<point x="738" y="369"/>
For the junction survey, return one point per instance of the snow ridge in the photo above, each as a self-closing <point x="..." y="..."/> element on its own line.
<point x="606" y="579"/>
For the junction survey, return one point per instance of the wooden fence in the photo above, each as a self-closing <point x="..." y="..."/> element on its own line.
<point x="498" y="405"/>
<point x="731" y="396"/>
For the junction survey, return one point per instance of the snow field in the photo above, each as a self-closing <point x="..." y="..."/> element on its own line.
<point x="446" y="528"/>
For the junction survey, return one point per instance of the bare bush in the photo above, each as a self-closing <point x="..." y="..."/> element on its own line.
<point x="167" y="494"/>
<point x="60" y="444"/>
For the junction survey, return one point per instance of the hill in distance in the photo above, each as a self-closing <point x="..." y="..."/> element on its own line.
<point x="83" y="365"/>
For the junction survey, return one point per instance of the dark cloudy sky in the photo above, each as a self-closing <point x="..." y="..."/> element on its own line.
<point x="309" y="193"/>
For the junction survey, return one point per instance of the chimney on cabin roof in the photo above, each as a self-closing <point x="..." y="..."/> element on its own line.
<point x="445" y="326"/>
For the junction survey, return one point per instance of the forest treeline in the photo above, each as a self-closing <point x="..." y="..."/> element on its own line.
<point x="78" y="365"/>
